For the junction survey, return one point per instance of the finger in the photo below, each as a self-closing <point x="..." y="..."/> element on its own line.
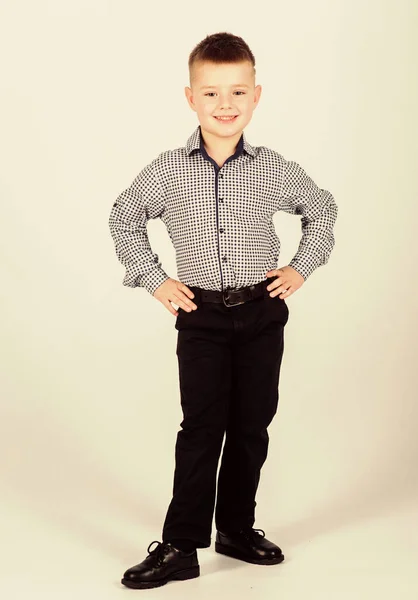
<point x="186" y="302"/>
<point x="183" y="301"/>
<point x="183" y="288"/>
<point x="287" y="293"/>
<point x="170" y="307"/>
<point x="273" y="284"/>
<point x="282" y="288"/>
<point x="279" y="281"/>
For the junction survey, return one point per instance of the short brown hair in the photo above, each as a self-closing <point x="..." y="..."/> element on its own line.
<point x="221" y="47"/>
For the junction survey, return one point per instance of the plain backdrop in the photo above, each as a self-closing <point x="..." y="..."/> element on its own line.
<point x="92" y="91"/>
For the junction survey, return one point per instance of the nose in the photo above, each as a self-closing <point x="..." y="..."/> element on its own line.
<point x="225" y="100"/>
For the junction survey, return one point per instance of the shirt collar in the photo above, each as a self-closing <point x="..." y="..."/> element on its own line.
<point x="193" y="143"/>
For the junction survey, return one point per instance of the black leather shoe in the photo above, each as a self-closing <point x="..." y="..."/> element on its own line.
<point x="162" y="565"/>
<point x="248" y="545"/>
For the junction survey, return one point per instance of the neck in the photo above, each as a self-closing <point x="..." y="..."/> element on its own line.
<point x="218" y="146"/>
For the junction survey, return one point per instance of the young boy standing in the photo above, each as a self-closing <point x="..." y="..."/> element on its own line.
<point x="217" y="196"/>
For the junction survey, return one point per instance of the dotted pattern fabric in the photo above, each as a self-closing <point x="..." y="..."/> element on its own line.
<point x="219" y="219"/>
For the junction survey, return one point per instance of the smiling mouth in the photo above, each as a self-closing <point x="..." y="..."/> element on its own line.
<point x="230" y="118"/>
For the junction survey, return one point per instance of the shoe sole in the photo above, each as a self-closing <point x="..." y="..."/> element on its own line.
<point x="233" y="553"/>
<point x="179" y="575"/>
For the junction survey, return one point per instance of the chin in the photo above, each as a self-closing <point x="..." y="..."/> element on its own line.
<point x="222" y="129"/>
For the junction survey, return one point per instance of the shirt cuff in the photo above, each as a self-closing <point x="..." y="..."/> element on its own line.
<point x="305" y="266"/>
<point x="151" y="281"/>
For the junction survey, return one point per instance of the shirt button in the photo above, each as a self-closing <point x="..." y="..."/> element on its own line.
<point x="224" y="258"/>
<point x="221" y="199"/>
<point x="222" y="230"/>
<point x="221" y="174"/>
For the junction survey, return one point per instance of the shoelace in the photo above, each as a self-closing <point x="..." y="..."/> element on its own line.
<point x="249" y="533"/>
<point x="159" y="552"/>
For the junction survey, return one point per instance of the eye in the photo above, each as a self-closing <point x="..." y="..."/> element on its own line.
<point x="238" y="92"/>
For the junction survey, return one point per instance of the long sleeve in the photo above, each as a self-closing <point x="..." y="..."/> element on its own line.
<point x="141" y="201"/>
<point x="301" y="196"/>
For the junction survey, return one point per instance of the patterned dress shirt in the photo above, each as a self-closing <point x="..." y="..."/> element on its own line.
<point x="219" y="219"/>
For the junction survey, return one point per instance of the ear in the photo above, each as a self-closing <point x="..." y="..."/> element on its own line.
<point x="189" y="95"/>
<point x="257" y="94"/>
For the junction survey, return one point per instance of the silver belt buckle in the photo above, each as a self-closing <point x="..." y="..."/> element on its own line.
<point x="226" y="299"/>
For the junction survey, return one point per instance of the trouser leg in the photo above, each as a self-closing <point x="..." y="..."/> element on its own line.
<point x="204" y="358"/>
<point x="256" y="362"/>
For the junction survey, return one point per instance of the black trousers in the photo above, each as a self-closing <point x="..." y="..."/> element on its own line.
<point x="229" y="364"/>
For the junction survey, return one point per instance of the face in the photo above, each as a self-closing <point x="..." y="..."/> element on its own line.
<point x="223" y="89"/>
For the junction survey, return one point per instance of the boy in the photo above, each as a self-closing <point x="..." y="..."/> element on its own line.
<point x="216" y="196"/>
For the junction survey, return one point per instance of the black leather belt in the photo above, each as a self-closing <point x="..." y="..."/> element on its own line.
<point x="232" y="297"/>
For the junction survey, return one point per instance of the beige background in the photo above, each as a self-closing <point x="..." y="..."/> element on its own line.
<point x="91" y="92"/>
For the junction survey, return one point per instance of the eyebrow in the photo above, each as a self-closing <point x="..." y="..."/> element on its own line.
<point x="207" y="87"/>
